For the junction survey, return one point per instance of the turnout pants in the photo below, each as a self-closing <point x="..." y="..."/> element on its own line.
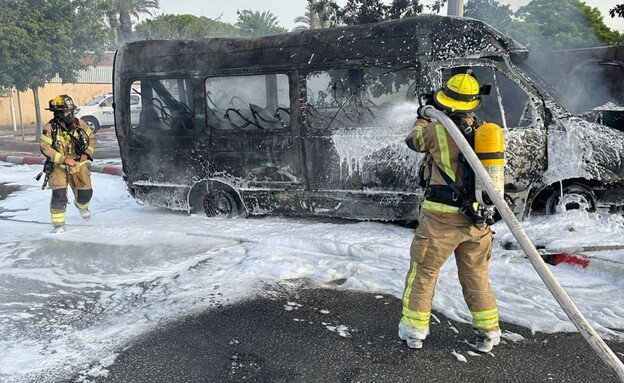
<point x="432" y="245"/>
<point x="79" y="179"/>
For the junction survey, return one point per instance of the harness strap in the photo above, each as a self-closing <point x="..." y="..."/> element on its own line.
<point x="466" y="205"/>
<point x="443" y="194"/>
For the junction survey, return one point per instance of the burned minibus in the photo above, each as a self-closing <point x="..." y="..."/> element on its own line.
<point x="313" y="123"/>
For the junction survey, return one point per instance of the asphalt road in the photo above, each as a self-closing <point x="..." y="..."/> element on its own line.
<point x="288" y="334"/>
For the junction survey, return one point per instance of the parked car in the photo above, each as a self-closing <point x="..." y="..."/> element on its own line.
<point x="99" y="111"/>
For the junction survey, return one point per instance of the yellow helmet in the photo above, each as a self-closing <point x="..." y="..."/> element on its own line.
<point x="461" y="94"/>
<point x="61" y="103"/>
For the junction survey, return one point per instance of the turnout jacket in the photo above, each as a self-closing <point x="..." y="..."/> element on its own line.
<point x="60" y="145"/>
<point x="431" y="138"/>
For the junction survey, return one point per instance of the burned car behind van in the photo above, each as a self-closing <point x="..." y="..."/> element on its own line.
<point x="313" y="123"/>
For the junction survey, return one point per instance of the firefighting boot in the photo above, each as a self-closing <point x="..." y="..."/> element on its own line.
<point x="485" y="342"/>
<point x="413" y="336"/>
<point x="84" y="211"/>
<point x="58" y="229"/>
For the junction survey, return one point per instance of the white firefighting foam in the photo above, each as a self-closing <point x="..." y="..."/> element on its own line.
<point x="71" y="301"/>
<point x="355" y="145"/>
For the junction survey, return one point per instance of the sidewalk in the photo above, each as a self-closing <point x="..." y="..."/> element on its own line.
<point x="25" y="150"/>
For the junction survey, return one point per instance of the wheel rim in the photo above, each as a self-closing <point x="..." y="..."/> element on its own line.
<point x="575" y="201"/>
<point x="219" y="203"/>
<point x="575" y="197"/>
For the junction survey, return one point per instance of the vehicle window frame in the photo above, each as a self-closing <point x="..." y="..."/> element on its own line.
<point x="265" y="108"/>
<point x="173" y="121"/>
<point x="533" y="102"/>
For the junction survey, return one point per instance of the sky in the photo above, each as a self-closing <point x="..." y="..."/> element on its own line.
<point x="66" y="311"/>
<point x="287" y="10"/>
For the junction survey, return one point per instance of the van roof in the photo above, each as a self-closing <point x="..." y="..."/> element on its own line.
<point x="431" y="36"/>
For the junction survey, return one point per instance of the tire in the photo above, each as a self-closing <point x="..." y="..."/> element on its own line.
<point x="575" y="197"/>
<point x="92" y="122"/>
<point x="220" y="203"/>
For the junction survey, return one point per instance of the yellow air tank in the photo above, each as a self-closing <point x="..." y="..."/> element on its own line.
<point x="489" y="145"/>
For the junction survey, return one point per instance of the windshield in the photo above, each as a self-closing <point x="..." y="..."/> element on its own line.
<point x="96" y="100"/>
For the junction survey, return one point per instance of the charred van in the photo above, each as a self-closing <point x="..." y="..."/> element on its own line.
<point x="313" y="122"/>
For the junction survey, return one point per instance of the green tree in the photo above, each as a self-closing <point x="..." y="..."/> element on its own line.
<point x="368" y="11"/>
<point x="617" y="10"/>
<point x="492" y="12"/>
<point x="183" y="27"/>
<point x="256" y="23"/>
<point x="119" y="15"/>
<point x="321" y="17"/>
<point x="561" y="24"/>
<point x="42" y="38"/>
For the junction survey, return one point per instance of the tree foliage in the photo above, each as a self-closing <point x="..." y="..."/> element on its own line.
<point x="561" y="24"/>
<point x="492" y="12"/>
<point x="119" y="15"/>
<point x="42" y="38"/>
<point x="256" y="23"/>
<point x="617" y="10"/>
<point x="366" y="11"/>
<point x="316" y="16"/>
<point x="183" y="27"/>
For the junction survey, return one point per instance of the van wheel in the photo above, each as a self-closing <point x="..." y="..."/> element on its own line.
<point x="92" y="122"/>
<point x="575" y="197"/>
<point x="220" y="203"/>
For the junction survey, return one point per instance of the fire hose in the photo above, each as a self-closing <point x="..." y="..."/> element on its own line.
<point x="568" y="306"/>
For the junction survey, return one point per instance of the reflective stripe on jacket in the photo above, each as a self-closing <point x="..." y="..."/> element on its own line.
<point x="432" y="138"/>
<point x="64" y="146"/>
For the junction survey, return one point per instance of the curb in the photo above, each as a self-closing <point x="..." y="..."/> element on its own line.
<point x="22" y="160"/>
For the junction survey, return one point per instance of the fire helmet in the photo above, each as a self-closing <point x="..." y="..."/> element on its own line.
<point x="460" y="94"/>
<point x="61" y="103"/>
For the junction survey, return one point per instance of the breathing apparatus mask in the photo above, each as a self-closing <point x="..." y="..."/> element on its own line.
<point x="62" y="117"/>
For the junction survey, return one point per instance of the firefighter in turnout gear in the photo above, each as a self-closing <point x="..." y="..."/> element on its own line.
<point x="449" y="221"/>
<point x="68" y="143"/>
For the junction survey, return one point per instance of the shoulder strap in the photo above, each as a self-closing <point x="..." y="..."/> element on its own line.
<point x="467" y="208"/>
<point x="54" y="126"/>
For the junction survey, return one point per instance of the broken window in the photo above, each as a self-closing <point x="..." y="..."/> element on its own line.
<point x="239" y="102"/>
<point x="355" y="96"/>
<point x="507" y="105"/>
<point x="166" y="104"/>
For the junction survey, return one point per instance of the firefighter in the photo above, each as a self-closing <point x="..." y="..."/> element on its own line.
<point x="449" y="221"/>
<point x="68" y="143"/>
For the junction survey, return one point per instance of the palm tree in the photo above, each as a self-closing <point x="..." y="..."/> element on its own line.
<point x="304" y="21"/>
<point x="119" y="15"/>
<point x="255" y="23"/>
<point x="315" y="17"/>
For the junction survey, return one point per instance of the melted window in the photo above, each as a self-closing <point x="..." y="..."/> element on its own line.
<point x="356" y="96"/>
<point x="507" y="105"/>
<point x="166" y="105"/>
<point x="247" y="102"/>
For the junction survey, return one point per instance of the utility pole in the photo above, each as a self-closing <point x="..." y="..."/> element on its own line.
<point x="455" y="8"/>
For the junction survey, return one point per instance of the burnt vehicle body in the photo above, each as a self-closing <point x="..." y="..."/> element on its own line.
<point x="588" y="81"/>
<point x="313" y="122"/>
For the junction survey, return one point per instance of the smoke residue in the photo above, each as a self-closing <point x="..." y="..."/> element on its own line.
<point x="583" y="78"/>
